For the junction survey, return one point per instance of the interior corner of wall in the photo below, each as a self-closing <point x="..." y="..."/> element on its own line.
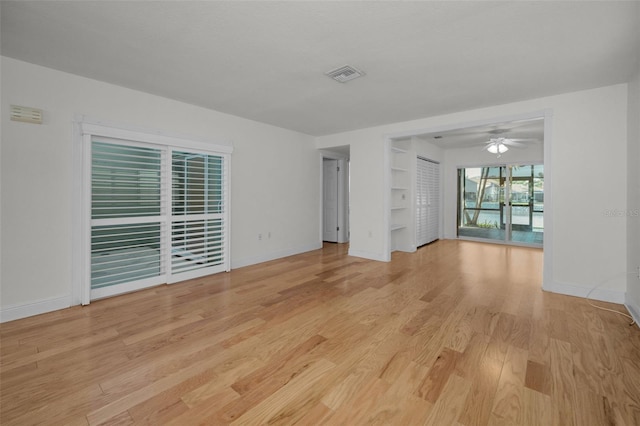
<point x="380" y="257"/>
<point x="633" y="307"/>
<point x="599" y="294"/>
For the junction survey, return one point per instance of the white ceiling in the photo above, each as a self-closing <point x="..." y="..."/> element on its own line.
<point x="266" y="60"/>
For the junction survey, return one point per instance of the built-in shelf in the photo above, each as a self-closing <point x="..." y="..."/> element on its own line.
<point x="400" y="161"/>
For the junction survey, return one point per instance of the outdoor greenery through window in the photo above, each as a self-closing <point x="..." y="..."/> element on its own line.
<point x="504" y="203"/>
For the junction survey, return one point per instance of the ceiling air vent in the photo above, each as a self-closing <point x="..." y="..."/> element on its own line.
<point x="344" y="74"/>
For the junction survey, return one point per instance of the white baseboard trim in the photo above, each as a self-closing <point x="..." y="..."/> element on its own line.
<point x="239" y="263"/>
<point x="633" y="309"/>
<point x="601" y="294"/>
<point x="14" y="312"/>
<point x="368" y="255"/>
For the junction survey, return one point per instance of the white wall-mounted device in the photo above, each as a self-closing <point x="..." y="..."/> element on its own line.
<point x="26" y="114"/>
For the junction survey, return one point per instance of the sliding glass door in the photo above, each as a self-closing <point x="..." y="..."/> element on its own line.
<point x="502" y="203"/>
<point x="158" y="215"/>
<point x="198" y="239"/>
<point x="481" y="203"/>
<point x="127" y="225"/>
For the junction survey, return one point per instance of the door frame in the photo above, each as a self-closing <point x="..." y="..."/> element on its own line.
<point x="547" y="115"/>
<point x="343" y="195"/>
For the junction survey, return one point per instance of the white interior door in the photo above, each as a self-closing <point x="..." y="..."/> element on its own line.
<point x="433" y="203"/>
<point x="427" y="201"/>
<point x="330" y="200"/>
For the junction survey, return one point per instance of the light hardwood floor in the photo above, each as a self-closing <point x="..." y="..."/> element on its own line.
<point x="458" y="333"/>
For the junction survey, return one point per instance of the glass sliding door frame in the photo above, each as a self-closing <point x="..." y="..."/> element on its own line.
<point x="199" y="222"/>
<point x="499" y="203"/>
<point x="130" y="215"/>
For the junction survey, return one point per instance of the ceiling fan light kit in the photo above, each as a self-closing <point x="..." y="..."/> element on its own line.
<point x="497" y="146"/>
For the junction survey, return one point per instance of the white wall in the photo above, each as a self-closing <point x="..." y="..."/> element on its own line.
<point x="428" y="150"/>
<point x="585" y="154"/>
<point x="633" y="208"/>
<point x="274" y="180"/>
<point x="367" y="228"/>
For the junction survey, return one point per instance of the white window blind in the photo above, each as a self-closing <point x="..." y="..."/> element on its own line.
<point x="125" y="180"/>
<point x="427" y="201"/>
<point x="126" y="217"/>
<point x="158" y="215"/>
<point x="198" y="227"/>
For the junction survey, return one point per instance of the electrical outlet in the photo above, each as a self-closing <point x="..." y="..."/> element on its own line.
<point x="269" y="235"/>
<point x="259" y="237"/>
<point x="370" y="234"/>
